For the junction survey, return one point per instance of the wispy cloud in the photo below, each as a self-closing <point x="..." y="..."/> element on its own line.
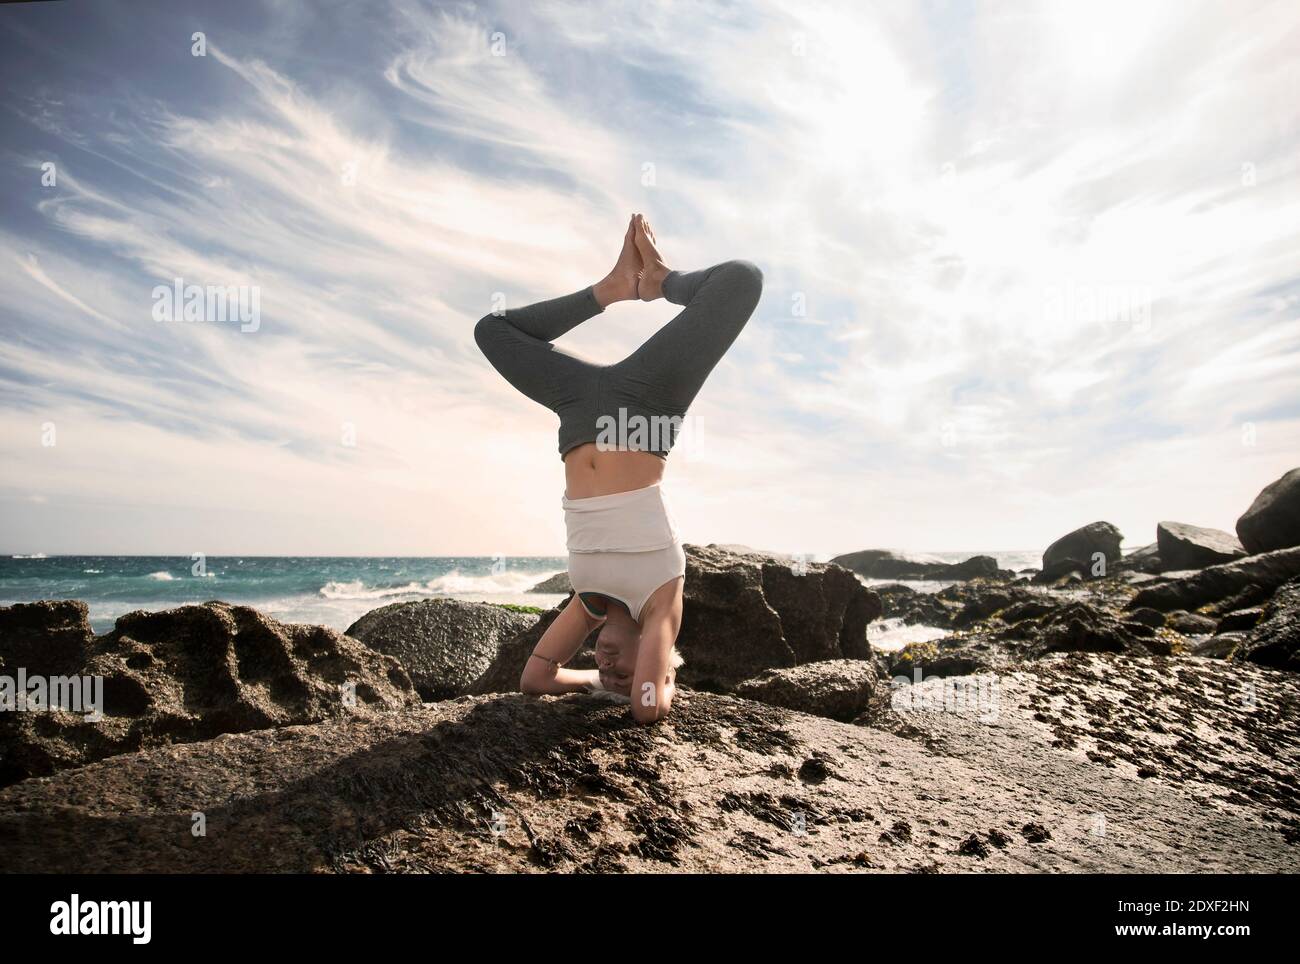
<point x="1026" y="266"/>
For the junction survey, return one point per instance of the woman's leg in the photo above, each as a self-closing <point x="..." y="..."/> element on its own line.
<point x="664" y="375"/>
<point x="518" y="344"/>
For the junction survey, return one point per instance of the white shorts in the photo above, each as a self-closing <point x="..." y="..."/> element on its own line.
<point x="623" y="547"/>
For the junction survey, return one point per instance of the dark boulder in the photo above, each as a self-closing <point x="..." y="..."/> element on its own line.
<point x="839" y="689"/>
<point x="1091" y="551"/>
<point x="976" y="567"/>
<point x="748" y="613"/>
<point x="554" y="584"/>
<point x="1240" y="620"/>
<point x="1135" y="628"/>
<point x="887" y="564"/>
<point x="1191" y="624"/>
<point x="1184" y="546"/>
<point x="1228" y="581"/>
<point x="1145" y="559"/>
<point x="1275" y="641"/>
<point x="1273" y="519"/>
<point x="1148" y="617"/>
<point x="444" y="644"/>
<point x="1218" y="646"/>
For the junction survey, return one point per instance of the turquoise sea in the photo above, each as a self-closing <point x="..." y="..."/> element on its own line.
<point x="332" y="591"/>
<point x="329" y="590"/>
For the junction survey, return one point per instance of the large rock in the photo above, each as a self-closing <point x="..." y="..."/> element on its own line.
<point x="569" y="784"/>
<point x="1183" y="546"/>
<point x="1246" y="578"/>
<point x="1240" y="620"/>
<point x="444" y="644"/>
<point x="743" y="614"/>
<point x="840" y="689"/>
<point x="748" y="613"/>
<point x="1189" y="624"/>
<point x="1273" y="519"/>
<point x="975" y="567"/>
<point x="1275" y="639"/>
<point x="1143" y="559"/>
<point x="1077" y="551"/>
<point x="553" y="584"/>
<point x="887" y="564"/>
<point x="191" y="674"/>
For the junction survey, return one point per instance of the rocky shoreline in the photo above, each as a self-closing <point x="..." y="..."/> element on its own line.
<point x="1105" y="713"/>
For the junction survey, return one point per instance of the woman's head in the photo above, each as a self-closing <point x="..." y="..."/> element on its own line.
<point x="617" y="647"/>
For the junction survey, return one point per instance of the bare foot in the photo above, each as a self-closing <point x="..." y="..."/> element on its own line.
<point x="621" y="282"/>
<point x="653" y="270"/>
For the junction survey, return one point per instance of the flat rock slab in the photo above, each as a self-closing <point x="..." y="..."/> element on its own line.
<point x="517" y="783"/>
<point x="1106" y="737"/>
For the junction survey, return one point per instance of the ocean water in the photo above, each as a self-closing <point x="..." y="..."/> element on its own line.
<point x="334" y="591"/>
<point x="329" y="591"/>
<point x="887" y="635"/>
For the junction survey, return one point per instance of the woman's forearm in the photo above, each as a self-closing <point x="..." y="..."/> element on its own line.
<point x="544" y="672"/>
<point x="561" y="680"/>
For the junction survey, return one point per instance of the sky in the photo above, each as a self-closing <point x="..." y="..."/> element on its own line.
<point x="1027" y="266"/>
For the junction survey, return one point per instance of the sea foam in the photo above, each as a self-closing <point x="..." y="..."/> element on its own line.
<point x="454" y="583"/>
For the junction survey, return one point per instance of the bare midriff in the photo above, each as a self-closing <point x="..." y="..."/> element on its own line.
<point x="591" y="471"/>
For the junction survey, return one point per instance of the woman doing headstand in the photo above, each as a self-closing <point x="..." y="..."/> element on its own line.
<point x="617" y="425"/>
